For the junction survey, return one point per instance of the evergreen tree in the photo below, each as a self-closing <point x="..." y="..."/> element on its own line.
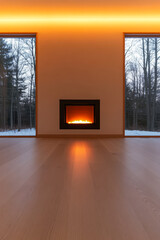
<point x="6" y="61"/>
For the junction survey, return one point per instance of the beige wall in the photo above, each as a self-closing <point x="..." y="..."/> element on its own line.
<point x="80" y="66"/>
<point x="80" y="62"/>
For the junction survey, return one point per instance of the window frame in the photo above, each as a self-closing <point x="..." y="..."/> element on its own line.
<point x="132" y="35"/>
<point x="26" y="35"/>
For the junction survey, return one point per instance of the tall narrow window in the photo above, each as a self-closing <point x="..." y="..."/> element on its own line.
<point x="142" y="85"/>
<point x="17" y="85"/>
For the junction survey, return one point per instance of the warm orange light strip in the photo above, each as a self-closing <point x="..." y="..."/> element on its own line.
<point x="77" y="19"/>
<point x="80" y="122"/>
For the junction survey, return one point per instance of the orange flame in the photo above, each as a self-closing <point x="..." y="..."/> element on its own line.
<point x="80" y="122"/>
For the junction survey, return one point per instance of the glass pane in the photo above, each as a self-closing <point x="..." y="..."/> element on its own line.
<point x="142" y="86"/>
<point x="17" y="86"/>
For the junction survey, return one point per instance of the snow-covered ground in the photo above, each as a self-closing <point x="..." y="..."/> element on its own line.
<point x="141" y="133"/>
<point x="23" y="132"/>
<point x="32" y="132"/>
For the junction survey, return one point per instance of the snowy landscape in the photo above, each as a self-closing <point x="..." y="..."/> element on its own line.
<point x="142" y="85"/>
<point x="17" y="86"/>
<point x="22" y="132"/>
<point x="141" y="133"/>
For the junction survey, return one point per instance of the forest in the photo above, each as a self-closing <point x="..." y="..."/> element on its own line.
<point x="17" y="83"/>
<point x="142" y="83"/>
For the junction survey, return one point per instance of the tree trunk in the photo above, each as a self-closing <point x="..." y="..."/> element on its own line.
<point x="30" y="100"/>
<point x="4" y="104"/>
<point x="17" y="90"/>
<point x="155" y="86"/>
<point x="33" y="71"/>
<point x="11" y="109"/>
<point x="149" y="83"/>
<point x="146" y="82"/>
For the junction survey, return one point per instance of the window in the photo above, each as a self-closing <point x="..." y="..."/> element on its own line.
<point x="142" y="85"/>
<point x="17" y="85"/>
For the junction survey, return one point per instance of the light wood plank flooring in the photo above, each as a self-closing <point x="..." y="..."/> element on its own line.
<point x="80" y="189"/>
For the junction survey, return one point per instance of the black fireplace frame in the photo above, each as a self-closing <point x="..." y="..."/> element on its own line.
<point x="79" y="102"/>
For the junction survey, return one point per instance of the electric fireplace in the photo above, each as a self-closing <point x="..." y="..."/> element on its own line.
<point x="79" y="114"/>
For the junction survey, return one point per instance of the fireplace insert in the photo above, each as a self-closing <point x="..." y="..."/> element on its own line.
<point x="79" y="114"/>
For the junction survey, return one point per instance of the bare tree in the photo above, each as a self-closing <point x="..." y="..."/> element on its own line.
<point x="28" y="54"/>
<point x="155" y="83"/>
<point x="20" y="72"/>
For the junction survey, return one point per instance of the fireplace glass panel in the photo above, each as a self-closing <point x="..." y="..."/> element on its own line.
<point x="79" y="114"/>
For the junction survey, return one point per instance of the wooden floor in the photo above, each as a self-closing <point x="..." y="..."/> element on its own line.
<point x="80" y="189"/>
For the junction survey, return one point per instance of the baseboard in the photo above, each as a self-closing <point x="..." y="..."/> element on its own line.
<point x="80" y="136"/>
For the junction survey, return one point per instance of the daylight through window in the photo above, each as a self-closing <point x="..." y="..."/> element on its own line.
<point x="142" y="85"/>
<point x="17" y="85"/>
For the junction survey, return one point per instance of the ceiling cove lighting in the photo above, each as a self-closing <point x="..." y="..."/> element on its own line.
<point x="77" y="19"/>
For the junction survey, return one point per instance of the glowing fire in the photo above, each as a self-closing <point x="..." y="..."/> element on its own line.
<point x="80" y="114"/>
<point x="80" y="122"/>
